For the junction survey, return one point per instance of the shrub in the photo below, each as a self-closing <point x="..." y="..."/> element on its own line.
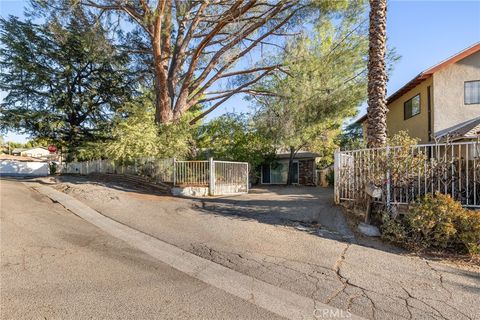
<point x="468" y="230"/>
<point x="394" y="230"/>
<point x="435" y="221"/>
<point x="432" y="220"/>
<point x="330" y="177"/>
<point x="52" y="168"/>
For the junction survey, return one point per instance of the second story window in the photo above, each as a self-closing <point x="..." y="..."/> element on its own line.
<point x="472" y="92"/>
<point x="411" y="107"/>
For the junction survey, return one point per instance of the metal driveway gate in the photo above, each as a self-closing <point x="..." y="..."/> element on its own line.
<point x="228" y="177"/>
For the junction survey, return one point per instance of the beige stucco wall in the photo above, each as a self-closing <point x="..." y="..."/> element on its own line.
<point x="417" y="126"/>
<point x="448" y="93"/>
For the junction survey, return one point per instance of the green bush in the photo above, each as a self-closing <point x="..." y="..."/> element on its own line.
<point x="330" y="177"/>
<point x="435" y="221"/>
<point x="52" y="168"/>
<point x="468" y="230"/>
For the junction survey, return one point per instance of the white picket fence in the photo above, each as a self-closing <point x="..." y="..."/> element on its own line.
<point x="220" y="177"/>
<point x="403" y="175"/>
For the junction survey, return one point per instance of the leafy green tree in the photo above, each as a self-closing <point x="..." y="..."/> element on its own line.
<point x="324" y="83"/>
<point x="351" y="137"/>
<point x="135" y="134"/>
<point x="233" y="137"/>
<point x="64" y="82"/>
<point x="37" y="142"/>
<point x="3" y="145"/>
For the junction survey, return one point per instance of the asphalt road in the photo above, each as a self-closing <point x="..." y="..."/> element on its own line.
<point x="55" y="265"/>
<point x="372" y="283"/>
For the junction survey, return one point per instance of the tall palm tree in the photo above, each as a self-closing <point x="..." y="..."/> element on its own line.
<point x="377" y="75"/>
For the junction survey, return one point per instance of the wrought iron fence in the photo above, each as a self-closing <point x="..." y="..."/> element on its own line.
<point x="404" y="173"/>
<point x="192" y="173"/>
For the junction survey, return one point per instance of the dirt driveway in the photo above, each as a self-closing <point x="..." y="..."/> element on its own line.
<point x="308" y="209"/>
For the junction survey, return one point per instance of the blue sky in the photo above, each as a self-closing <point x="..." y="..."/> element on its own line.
<point x="422" y="32"/>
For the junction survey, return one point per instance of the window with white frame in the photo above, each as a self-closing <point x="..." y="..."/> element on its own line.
<point x="472" y="92"/>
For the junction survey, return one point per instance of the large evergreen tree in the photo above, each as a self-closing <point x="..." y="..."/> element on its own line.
<point x="63" y="82"/>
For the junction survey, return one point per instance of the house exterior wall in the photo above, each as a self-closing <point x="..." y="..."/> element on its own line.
<point x="306" y="170"/>
<point x="448" y="97"/>
<point x="417" y="126"/>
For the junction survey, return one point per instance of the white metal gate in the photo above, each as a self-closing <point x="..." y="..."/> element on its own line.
<point x="229" y="177"/>
<point x="221" y="177"/>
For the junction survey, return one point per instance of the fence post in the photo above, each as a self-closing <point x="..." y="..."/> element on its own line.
<point x="211" y="182"/>
<point x="174" y="171"/>
<point x="388" y="200"/>
<point x="248" y="176"/>
<point x="336" y="175"/>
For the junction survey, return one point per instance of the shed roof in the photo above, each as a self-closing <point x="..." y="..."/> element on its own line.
<point x="299" y="155"/>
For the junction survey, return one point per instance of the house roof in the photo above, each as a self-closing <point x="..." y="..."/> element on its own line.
<point x="468" y="129"/>
<point x="428" y="73"/>
<point x="32" y="148"/>
<point x="299" y="155"/>
<point x="19" y="158"/>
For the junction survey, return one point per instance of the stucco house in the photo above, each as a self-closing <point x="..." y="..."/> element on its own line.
<point x="304" y="169"/>
<point x="441" y="101"/>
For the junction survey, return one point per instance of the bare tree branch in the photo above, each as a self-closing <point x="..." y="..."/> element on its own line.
<point x="195" y="44"/>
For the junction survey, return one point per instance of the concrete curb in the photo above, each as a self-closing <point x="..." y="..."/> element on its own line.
<point x="274" y="299"/>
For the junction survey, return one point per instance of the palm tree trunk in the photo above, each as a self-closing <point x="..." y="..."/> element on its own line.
<point x="377" y="75"/>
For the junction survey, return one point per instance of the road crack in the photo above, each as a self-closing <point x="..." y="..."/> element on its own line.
<point x="336" y="268"/>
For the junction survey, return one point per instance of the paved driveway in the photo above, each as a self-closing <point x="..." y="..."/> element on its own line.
<point x="306" y="208"/>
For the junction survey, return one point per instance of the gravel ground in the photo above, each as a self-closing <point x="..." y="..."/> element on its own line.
<point x="246" y="237"/>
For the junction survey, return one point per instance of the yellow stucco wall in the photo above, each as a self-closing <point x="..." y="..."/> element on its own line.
<point x="417" y="126"/>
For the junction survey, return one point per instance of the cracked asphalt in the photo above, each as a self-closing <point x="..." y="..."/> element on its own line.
<point x="55" y="265"/>
<point x="371" y="283"/>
